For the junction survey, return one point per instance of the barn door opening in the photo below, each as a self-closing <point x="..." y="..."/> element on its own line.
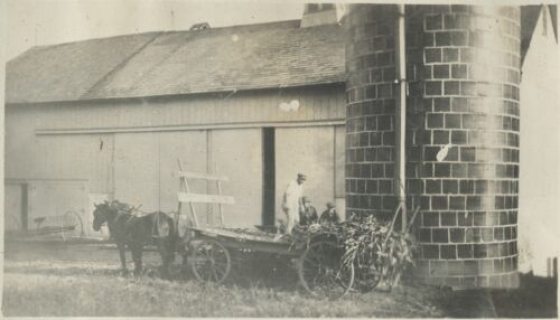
<point x="311" y="151"/>
<point x="269" y="177"/>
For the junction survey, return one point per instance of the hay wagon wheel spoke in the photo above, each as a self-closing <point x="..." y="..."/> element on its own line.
<point x="321" y="271"/>
<point x="211" y="261"/>
<point x="368" y="273"/>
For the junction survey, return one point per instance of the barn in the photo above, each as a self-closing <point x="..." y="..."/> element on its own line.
<point x="108" y="119"/>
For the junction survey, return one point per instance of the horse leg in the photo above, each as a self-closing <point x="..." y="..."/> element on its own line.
<point x="137" y="257"/>
<point x="164" y="258"/>
<point x="170" y="247"/>
<point x="166" y="251"/>
<point x="121" y="247"/>
<point x="185" y="258"/>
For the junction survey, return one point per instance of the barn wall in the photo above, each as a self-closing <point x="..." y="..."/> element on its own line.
<point x="29" y="156"/>
<point x="136" y="165"/>
<point x="191" y="148"/>
<point x="140" y="167"/>
<point x="304" y="150"/>
<point x="13" y="206"/>
<point x="237" y="154"/>
<point x="315" y="104"/>
<point x="540" y="157"/>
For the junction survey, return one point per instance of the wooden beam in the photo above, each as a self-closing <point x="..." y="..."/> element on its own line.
<point x="191" y="127"/>
<point x="203" y="176"/>
<point x="204" y="198"/>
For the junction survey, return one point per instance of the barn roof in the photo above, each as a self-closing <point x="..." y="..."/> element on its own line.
<point x="269" y="55"/>
<point x="258" y="56"/>
<point x="529" y="18"/>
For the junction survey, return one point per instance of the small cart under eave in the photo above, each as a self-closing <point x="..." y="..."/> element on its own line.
<point x="213" y="249"/>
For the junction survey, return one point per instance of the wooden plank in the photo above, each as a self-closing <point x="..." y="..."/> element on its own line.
<point x="246" y="239"/>
<point x="193" y="127"/>
<point x="237" y="235"/>
<point x="194" y="175"/>
<point x="204" y="198"/>
<point x="262" y="246"/>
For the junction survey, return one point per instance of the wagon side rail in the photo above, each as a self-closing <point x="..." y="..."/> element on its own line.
<point x="186" y="196"/>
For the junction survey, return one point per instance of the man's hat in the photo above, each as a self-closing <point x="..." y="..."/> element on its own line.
<point x="301" y="176"/>
<point x="330" y="205"/>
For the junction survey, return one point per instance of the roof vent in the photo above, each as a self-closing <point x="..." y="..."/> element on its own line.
<point x="200" y="26"/>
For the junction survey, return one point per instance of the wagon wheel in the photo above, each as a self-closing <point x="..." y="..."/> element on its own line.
<point x="71" y="225"/>
<point x="368" y="272"/>
<point x="210" y="261"/>
<point x="321" y="271"/>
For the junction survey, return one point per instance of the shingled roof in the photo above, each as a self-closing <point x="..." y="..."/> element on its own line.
<point x="258" y="56"/>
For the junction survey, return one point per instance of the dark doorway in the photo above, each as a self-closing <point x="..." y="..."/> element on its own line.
<point x="268" y="177"/>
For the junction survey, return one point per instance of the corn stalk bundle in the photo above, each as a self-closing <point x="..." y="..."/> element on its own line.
<point x="377" y="251"/>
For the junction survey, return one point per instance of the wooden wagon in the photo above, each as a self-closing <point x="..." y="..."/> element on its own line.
<point x="66" y="226"/>
<point x="212" y="249"/>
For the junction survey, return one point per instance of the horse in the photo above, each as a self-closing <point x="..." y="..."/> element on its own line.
<point x="135" y="232"/>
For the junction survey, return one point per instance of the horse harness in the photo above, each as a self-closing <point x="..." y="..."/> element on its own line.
<point x="129" y="214"/>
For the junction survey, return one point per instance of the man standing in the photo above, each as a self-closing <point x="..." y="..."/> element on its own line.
<point x="292" y="201"/>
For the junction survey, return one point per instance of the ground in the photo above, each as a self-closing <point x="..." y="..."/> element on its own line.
<point x="56" y="279"/>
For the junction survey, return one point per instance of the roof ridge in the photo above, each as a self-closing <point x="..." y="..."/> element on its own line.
<point x="54" y="45"/>
<point x="118" y="67"/>
<point x="158" y="32"/>
<point x="242" y="26"/>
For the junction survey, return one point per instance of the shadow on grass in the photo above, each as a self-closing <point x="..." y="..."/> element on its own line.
<point x="536" y="297"/>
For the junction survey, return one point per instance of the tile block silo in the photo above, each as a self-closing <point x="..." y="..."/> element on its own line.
<point x="463" y="68"/>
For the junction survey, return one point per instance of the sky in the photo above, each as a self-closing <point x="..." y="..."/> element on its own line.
<point x="43" y="22"/>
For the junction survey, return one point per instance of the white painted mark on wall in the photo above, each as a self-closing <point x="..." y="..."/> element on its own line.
<point x="289" y="106"/>
<point x="442" y="153"/>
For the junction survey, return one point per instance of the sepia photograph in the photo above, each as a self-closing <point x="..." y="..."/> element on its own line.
<point x="243" y="158"/>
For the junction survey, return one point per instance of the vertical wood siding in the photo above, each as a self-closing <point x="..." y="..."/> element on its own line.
<point x="191" y="148"/>
<point x="141" y="168"/>
<point x="321" y="103"/>
<point x="137" y="169"/>
<point x="238" y="155"/>
<point x="309" y="151"/>
<point x="539" y="170"/>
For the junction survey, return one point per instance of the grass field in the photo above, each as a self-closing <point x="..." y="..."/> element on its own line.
<point x="83" y="280"/>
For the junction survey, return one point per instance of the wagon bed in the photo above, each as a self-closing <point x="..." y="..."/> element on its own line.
<point x="240" y="234"/>
<point x="319" y="264"/>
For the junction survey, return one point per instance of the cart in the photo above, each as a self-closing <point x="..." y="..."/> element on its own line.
<point x="213" y="249"/>
<point x="67" y="226"/>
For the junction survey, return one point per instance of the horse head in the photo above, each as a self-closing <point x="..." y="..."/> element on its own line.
<point x="101" y="214"/>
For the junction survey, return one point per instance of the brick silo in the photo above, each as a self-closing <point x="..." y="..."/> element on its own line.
<point x="463" y="72"/>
